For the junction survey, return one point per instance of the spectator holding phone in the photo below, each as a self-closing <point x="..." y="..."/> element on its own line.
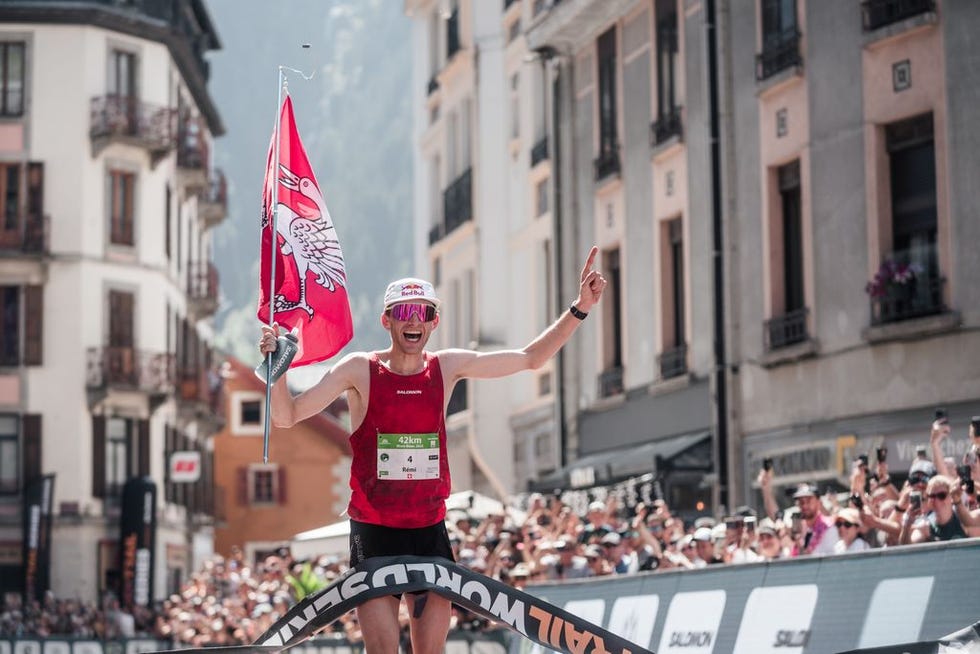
<point x="940" y="432"/>
<point x="849" y="526"/>
<point x="941" y="523"/>
<point x="820" y="535"/>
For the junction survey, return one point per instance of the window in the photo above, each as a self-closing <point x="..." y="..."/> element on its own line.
<point x="251" y="412"/>
<point x="21" y="325"/>
<point x="10" y="196"/>
<point x="167" y="220"/>
<point x="541" y="197"/>
<point x="263" y="487"/>
<point x="607" y="162"/>
<point x="11" y="79"/>
<point x="122" y="74"/>
<point x="9" y="455"/>
<point x="263" y="484"/>
<point x="117" y="455"/>
<point x="789" y="193"/>
<point x="912" y="159"/>
<point x="121" y="203"/>
<point x="673" y="355"/>
<point x="780" y="38"/>
<point x="667" y="62"/>
<point x="611" y="379"/>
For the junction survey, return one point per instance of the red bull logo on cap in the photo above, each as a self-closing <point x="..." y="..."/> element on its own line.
<point x="412" y="290"/>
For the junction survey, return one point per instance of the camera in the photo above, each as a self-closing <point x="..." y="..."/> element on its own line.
<point x="941" y="415"/>
<point x="882" y="454"/>
<point x="863" y="458"/>
<point x="750" y="523"/>
<point x="767" y="463"/>
<point x="915" y="500"/>
<point x="856" y="501"/>
<point x="733" y="523"/>
<point x="967" y="481"/>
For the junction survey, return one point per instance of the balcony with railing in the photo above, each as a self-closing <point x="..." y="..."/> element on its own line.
<point x="213" y="206"/>
<point x="202" y="289"/>
<point x="876" y="14"/>
<point x="31" y="238"/>
<point x="673" y="362"/>
<point x="457" y="201"/>
<point x="193" y="155"/>
<point x="607" y="163"/>
<point x="788" y="329"/>
<point x="200" y="394"/>
<point x="779" y="52"/>
<point x="907" y="286"/>
<point x="539" y="152"/>
<point x="666" y="127"/>
<point x="126" y="119"/>
<point x="611" y="382"/>
<point x="125" y="368"/>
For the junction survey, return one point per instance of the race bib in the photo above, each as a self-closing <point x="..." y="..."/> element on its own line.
<point x="408" y="456"/>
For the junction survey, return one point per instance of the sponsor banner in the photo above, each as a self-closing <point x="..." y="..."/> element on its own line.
<point x="137" y="542"/>
<point x="879" y="598"/>
<point x="38" y="499"/>
<point x="527" y="615"/>
<point x="185" y="466"/>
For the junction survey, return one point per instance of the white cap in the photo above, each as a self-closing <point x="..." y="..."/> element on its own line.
<point x="410" y="289"/>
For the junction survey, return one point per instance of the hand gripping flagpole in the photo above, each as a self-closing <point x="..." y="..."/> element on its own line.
<point x="273" y="247"/>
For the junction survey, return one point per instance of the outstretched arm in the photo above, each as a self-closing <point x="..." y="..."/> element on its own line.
<point x="486" y="365"/>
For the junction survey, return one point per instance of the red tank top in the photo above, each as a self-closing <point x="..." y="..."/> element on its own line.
<point x="400" y="470"/>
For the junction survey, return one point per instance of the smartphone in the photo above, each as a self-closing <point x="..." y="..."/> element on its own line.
<point x="863" y="458"/>
<point x="796" y="525"/>
<point x="882" y="454"/>
<point x="750" y="523"/>
<point x="915" y="500"/>
<point x="767" y="463"/>
<point x="856" y="501"/>
<point x="941" y="415"/>
<point x="733" y="523"/>
<point x="965" y="479"/>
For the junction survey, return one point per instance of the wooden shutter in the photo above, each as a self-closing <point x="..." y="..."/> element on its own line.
<point x="33" y="324"/>
<point x="242" y="474"/>
<point x="282" y="485"/>
<point x="31" y="429"/>
<point x="121" y="318"/>
<point x="143" y="438"/>
<point x="168" y="448"/>
<point x="98" y="456"/>
<point x="35" y="239"/>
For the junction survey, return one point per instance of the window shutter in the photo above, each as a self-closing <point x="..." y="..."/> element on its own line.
<point x="143" y="469"/>
<point x="33" y="324"/>
<point x="282" y="485"/>
<point x="242" y="485"/>
<point x="168" y="449"/>
<point x="98" y="456"/>
<point x="35" y="239"/>
<point x="31" y="428"/>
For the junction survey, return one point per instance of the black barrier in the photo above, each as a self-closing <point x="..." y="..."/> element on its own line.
<point x="525" y="614"/>
<point x="816" y="605"/>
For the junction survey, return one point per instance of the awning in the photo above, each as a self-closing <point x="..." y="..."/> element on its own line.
<point x="615" y="465"/>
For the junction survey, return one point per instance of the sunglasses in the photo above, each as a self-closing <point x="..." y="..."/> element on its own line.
<point x="918" y="478"/>
<point x="941" y="496"/>
<point x="845" y="523"/>
<point x="405" y="310"/>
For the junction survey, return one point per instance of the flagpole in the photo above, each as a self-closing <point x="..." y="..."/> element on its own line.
<point x="273" y="248"/>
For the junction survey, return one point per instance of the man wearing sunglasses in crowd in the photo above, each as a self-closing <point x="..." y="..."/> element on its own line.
<point x="400" y="469"/>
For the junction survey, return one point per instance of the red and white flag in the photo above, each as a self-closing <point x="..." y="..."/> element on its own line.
<point x="311" y="282"/>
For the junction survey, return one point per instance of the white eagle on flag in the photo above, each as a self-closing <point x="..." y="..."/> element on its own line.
<point x="310" y="238"/>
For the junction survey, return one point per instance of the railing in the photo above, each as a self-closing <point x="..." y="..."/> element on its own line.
<point x="192" y="148"/>
<point x="125" y="117"/>
<point x="457" y="201"/>
<point x="787" y="329"/>
<point x="201" y="386"/>
<point x="878" y="13"/>
<point x="673" y="362"/>
<point x="611" y="382"/>
<point x="126" y="367"/>
<point x="606" y="164"/>
<point x="539" y="152"/>
<point x="33" y="238"/>
<point x="666" y="126"/>
<point x="452" y="34"/>
<point x="202" y="286"/>
<point x="918" y="299"/>
<point x="458" y="401"/>
<point x="779" y="52"/>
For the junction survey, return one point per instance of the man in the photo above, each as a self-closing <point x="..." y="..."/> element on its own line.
<point x="704" y="545"/>
<point x="821" y="531"/>
<point x="400" y="469"/>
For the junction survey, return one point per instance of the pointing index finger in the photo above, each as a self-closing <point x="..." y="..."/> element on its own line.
<point x="588" y="263"/>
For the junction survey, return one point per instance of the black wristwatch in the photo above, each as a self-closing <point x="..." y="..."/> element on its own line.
<point x="574" y="310"/>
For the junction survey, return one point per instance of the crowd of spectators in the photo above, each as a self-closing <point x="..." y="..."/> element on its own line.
<point x="231" y="602"/>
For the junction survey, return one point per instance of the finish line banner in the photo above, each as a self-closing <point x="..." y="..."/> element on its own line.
<point x="525" y="614"/>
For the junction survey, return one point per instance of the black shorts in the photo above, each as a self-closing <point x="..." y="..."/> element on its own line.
<point x="367" y="541"/>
